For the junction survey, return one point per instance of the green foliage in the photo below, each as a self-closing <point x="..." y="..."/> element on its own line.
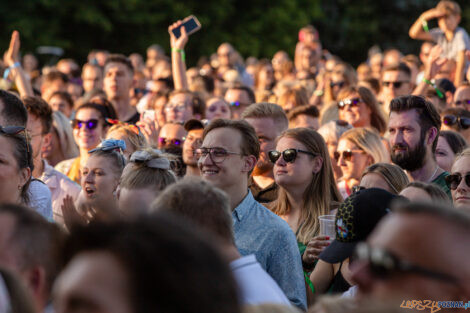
<point x="255" y="27"/>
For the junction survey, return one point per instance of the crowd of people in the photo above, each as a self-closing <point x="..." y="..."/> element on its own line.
<point x="132" y="185"/>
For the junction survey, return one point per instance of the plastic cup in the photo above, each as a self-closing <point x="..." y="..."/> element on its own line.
<point x="327" y="226"/>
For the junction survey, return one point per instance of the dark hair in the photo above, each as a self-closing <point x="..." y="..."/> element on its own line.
<point x="248" y="90"/>
<point x="104" y="107"/>
<point x="249" y="142"/>
<point x="200" y="202"/>
<point x="39" y="108"/>
<point x="374" y="83"/>
<point x="119" y="58"/>
<point x="456" y="141"/>
<point x="21" y="300"/>
<point x="38" y="241"/>
<point x="427" y="113"/>
<point x="310" y="110"/>
<point x="55" y="75"/>
<point x="400" y="67"/>
<point x="13" y="112"/>
<point x="64" y="95"/>
<point x="445" y="85"/>
<point x="170" y="266"/>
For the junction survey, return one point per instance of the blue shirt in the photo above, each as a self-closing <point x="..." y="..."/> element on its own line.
<point x="260" y="232"/>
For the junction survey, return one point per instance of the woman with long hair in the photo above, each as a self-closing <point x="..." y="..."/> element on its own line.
<point x="307" y="188"/>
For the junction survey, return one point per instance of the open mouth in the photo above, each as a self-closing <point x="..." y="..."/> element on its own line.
<point x="89" y="192"/>
<point x="209" y="172"/>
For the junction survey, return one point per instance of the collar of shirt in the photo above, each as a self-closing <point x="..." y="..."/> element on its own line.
<point x="243" y="208"/>
<point x="48" y="177"/>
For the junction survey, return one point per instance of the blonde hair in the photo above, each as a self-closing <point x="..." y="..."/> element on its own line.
<point x="450" y="7"/>
<point x="321" y="192"/>
<point x="133" y="135"/>
<point x="377" y="119"/>
<point x="463" y="154"/>
<point x="267" y="110"/>
<point x="62" y="126"/>
<point x="393" y="175"/>
<point x="299" y="94"/>
<point x="369" y="141"/>
<point x="138" y="175"/>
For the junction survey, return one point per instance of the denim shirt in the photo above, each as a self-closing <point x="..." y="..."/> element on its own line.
<point x="260" y="232"/>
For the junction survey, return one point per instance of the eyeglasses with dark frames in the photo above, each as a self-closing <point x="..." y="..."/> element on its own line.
<point x="450" y="120"/>
<point x="453" y="181"/>
<point x="217" y="154"/>
<point x="289" y="155"/>
<point x="383" y="264"/>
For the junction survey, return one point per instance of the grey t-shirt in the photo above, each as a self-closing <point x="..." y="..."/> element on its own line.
<point x="451" y="49"/>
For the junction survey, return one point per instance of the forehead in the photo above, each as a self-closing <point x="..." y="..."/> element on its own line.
<point x="261" y="124"/>
<point x="116" y="67"/>
<point x="460" y="94"/>
<point x="172" y="131"/>
<point x="236" y="95"/>
<point x="180" y="97"/>
<point x="345" y="144"/>
<point x="196" y="133"/>
<point x="403" y="119"/>
<point x="394" y="76"/>
<point x="461" y="165"/>
<point x="98" y="162"/>
<point x="288" y="143"/>
<point x="216" y="102"/>
<point x="87" y="113"/>
<point x="223" y="137"/>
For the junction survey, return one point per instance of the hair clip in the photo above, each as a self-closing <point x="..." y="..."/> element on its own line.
<point x="110" y="145"/>
<point x="143" y="156"/>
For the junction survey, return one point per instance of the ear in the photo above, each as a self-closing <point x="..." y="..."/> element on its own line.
<point x="432" y="135"/>
<point x="25" y="175"/>
<point x="250" y="162"/>
<point x="36" y="279"/>
<point x="317" y="164"/>
<point x="46" y="140"/>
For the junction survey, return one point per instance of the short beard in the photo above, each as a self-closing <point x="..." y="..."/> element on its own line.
<point x="412" y="159"/>
<point x="262" y="168"/>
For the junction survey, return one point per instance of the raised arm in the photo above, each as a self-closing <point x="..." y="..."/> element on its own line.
<point x="12" y="60"/>
<point x="178" y="65"/>
<point x="431" y="67"/>
<point x="417" y="29"/>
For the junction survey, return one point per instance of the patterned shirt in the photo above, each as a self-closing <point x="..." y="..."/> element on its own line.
<point x="260" y="232"/>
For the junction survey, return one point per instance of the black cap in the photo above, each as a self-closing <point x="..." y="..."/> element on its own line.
<point x="356" y="218"/>
<point x="193" y="124"/>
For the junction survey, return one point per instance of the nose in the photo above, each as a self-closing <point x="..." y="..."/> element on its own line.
<point x="463" y="185"/>
<point x="280" y="161"/>
<point x="396" y="138"/>
<point x="89" y="178"/>
<point x="341" y="160"/>
<point x="205" y="160"/>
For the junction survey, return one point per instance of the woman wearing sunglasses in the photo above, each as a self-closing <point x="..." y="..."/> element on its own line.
<point x="358" y="106"/>
<point x="89" y="127"/>
<point x="458" y="120"/>
<point x="459" y="181"/>
<point x="99" y="180"/>
<point x="357" y="149"/>
<point x="15" y="165"/>
<point x="307" y="189"/>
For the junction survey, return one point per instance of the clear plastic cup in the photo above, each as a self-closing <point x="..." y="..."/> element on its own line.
<point x="327" y="226"/>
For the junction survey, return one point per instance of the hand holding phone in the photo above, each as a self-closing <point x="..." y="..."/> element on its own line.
<point x="191" y="25"/>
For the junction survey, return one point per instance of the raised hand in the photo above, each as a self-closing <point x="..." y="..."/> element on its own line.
<point x="13" y="53"/>
<point x="434" y="62"/>
<point x="178" y="43"/>
<point x="71" y="216"/>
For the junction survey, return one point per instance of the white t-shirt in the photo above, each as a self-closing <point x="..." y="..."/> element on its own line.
<point x="40" y="199"/>
<point x="255" y="285"/>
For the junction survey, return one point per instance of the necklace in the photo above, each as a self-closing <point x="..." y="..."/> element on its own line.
<point x="435" y="171"/>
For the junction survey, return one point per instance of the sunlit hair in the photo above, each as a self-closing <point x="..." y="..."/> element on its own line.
<point x="61" y="124"/>
<point x="368" y="141"/>
<point x="138" y="175"/>
<point x="320" y="194"/>
<point x="463" y="154"/>
<point x="434" y="191"/>
<point x="297" y="93"/>
<point x="135" y="137"/>
<point x="332" y="130"/>
<point x="377" y="119"/>
<point x="393" y="175"/>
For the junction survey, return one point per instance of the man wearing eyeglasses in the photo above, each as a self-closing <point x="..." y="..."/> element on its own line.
<point x="227" y="156"/>
<point x="462" y="97"/>
<point x="396" y="81"/>
<point x="413" y="128"/>
<point x="419" y="252"/>
<point x="179" y="107"/>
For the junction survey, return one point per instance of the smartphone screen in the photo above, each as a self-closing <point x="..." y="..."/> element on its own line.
<point x="191" y="24"/>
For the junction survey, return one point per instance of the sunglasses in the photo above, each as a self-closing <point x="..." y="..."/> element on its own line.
<point x="165" y="141"/>
<point x="351" y="102"/>
<point x="395" y="85"/>
<point x="289" y="155"/>
<point x="384" y="264"/>
<point x="347" y="154"/>
<point x="339" y="84"/>
<point x="463" y="122"/>
<point x="217" y="155"/>
<point x="90" y="124"/>
<point x="453" y="181"/>
<point x="462" y="102"/>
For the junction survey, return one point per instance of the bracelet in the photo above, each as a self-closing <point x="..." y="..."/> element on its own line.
<point x="433" y="85"/>
<point x="183" y="55"/>
<point x="7" y="71"/>
<point x="425" y="26"/>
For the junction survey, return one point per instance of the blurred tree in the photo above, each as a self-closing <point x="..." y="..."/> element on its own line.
<point x="254" y="27"/>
